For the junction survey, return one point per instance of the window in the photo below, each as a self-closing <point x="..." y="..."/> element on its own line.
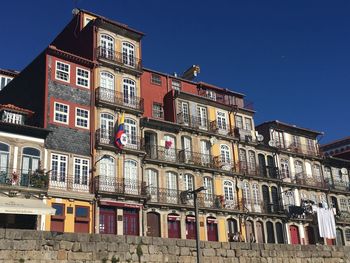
<point x="61" y="113"/>
<point x="343" y="204"/>
<point x="12" y="117"/>
<point x="58" y="167"/>
<point x="239" y="122"/>
<point x="128" y="54"/>
<point x="83" y="78"/>
<point x="285" y="168"/>
<point x="221" y="120"/>
<point x="157" y="110"/>
<point x="208" y="184"/>
<point x="317" y="172"/>
<point x="246" y="192"/>
<point x="248" y="124"/>
<point x="81" y="118"/>
<point x="189" y="182"/>
<point x="289" y="198"/>
<point x="62" y="71"/>
<point x="129" y="89"/>
<point x="298" y="168"/>
<point x="229" y="193"/>
<point x="171" y="183"/>
<point x="310" y="145"/>
<point x="347" y="234"/>
<point x="4" y="81"/>
<point x="131" y="177"/>
<point x="225" y="154"/>
<point x="30" y="163"/>
<point x="296" y="141"/>
<point x="155" y="79"/>
<point x="175" y="84"/>
<point x="4" y="157"/>
<point x="256" y="194"/>
<point x="210" y="94"/>
<point x="131" y="131"/>
<point x="107" y="47"/>
<point x="81" y="171"/>
<point x="202" y="117"/>
<point x="279" y="139"/>
<point x="59" y="209"/>
<point x="81" y="211"/>
<point x="251" y="161"/>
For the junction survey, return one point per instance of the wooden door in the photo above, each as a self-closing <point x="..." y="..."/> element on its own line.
<point x="174" y="230"/>
<point x="212" y="230"/>
<point x="294" y="235"/>
<point x="249" y="229"/>
<point x="107" y="221"/>
<point x="270" y="232"/>
<point x="153" y="224"/>
<point x="81" y="219"/>
<point x="57" y="220"/>
<point x="260" y="232"/>
<point x="131" y="221"/>
<point x="279" y="233"/>
<point x="232" y="228"/>
<point x="190" y="228"/>
<point x="310" y="233"/>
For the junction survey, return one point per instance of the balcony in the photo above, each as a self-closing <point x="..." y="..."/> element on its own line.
<point x="340" y="185"/>
<point x="20" y="179"/>
<point x="109" y="185"/>
<point x="192" y="121"/>
<point x="225" y="165"/>
<point x="214" y="127"/>
<point x="299" y="149"/>
<point x="106" y="139"/>
<point x="252" y="169"/>
<point x="195" y="158"/>
<point x="124" y="60"/>
<point x="68" y="183"/>
<point x="161" y="153"/>
<point x="113" y="99"/>
<point x="306" y="180"/>
<point x="343" y="216"/>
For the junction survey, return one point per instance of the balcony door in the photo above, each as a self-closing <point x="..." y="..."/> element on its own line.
<point x="171" y="182"/>
<point x="30" y="163"/>
<point x="256" y="198"/>
<point x="205" y="153"/>
<point x="107" y="175"/>
<point x="128" y="54"/>
<point x="202" y="117"/>
<point x="170" y="151"/>
<point x="129" y="93"/>
<point x="107" y="47"/>
<point x="131" y="132"/>
<point x="106" y="128"/>
<point x="107" y="87"/>
<point x="152" y="183"/>
<point x="185" y="113"/>
<point x="187" y="149"/>
<point x="130" y="177"/>
<point x="151" y="144"/>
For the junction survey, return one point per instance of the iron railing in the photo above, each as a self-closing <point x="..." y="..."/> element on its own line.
<point x="105" y="95"/>
<point x="122" y="186"/>
<point x="299" y="148"/>
<point x="119" y="58"/>
<point x="162" y="153"/>
<point x="195" y="158"/>
<point x="304" y="179"/>
<point x="23" y="178"/>
<point x="69" y="183"/>
<point x="222" y="164"/>
<point x="106" y="137"/>
<point x="254" y="169"/>
<point x="215" y="128"/>
<point x="192" y="121"/>
<point x="340" y="185"/>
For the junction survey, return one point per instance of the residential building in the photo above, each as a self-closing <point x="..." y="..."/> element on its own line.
<point x="338" y="148"/>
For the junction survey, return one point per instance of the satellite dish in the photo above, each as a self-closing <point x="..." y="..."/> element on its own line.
<point x="272" y="143"/>
<point x="260" y="138"/>
<point x="213" y="140"/>
<point x="344" y="171"/>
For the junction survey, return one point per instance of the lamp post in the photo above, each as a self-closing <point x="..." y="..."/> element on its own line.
<point x="196" y="208"/>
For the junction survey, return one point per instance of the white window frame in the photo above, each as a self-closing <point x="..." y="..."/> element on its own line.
<point x="223" y="117"/>
<point x="177" y="85"/>
<point x="83" y="78"/>
<point x="59" y="112"/>
<point x="239" y="121"/>
<point x="246" y="121"/>
<point x="82" y="118"/>
<point x="58" y="182"/>
<point x="83" y="162"/>
<point x="62" y="71"/>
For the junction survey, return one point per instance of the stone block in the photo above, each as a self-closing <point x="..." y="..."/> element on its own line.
<point x="225" y="245"/>
<point x="181" y="242"/>
<point x="76" y="247"/>
<point x="6" y="244"/>
<point x="146" y="240"/>
<point x="62" y="255"/>
<point x="337" y="254"/>
<point x="208" y="252"/>
<point x="153" y="249"/>
<point x="184" y="251"/>
<point x="133" y="239"/>
<point x="230" y="253"/>
<point x="13" y="234"/>
<point x="221" y="252"/>
<point x="191" y="243"/>
<point x="87" y="246"/>
<point x="66" y="245"/>
<point x="79" y="256"/>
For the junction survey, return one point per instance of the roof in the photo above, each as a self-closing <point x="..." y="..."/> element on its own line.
<point x="201" y="83"/>
<point x="113" y="22"/>
<point x="15" y="108"/>
<point x="9" y="72"/>
<point x="277" y="122"/>
<point x="67" y="55"/>
<point x="336" y="143"/>
<point x="24" y="129"/>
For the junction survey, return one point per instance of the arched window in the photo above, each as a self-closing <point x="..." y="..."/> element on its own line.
<point x="106" y="90"/>
<point x="171" y="182"/>
<point x="243" y="160"/>
<point x="251" y="162"/>
<point x="170" y="148"/>
<point x="4" y="158"/>
<point x="106" y="127"/>
<point x="131" y="131"/>
<point x="225" y="154"/>
<point x="208" y="184"/>
<point x="128" y="54"/>
<point x="30" y="163"/>
<point x="270" y="232"/>
<point x="317" y="173"/>
<point x="152" y="183"/>
<point x="189" y="182"/>
<point x="129" y="93"/>
<point x="229" y="194"/>
<point x="130" y="177"/>
<point x="256" y="194"/>
<point x="246" y="193"/>
<point x="289" y="198"/>
<point x="328" y="174"/>
<point x="285" y="168"/>
<point x="298" y="168"/>
<point x="107" y="46"/>
<point x="107" y="173"/>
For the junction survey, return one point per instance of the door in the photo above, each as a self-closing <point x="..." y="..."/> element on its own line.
<point x="212" y="229"/>
<point x="270" y="232"/>
<point x="152" y="183"/>
<point x="107" y="180"/>
<point x="107" y="221"/>
<point x="274" y="196"/>
<point x="30" y="163"/>
<point x="205" y="153"/>
<point x="106" y="128"/>
<point x="129" y="54"/>
<point x="131" y="221"/>
<point x="187" y="149"/>
<point x="151" y="144"/>
<point x="174" y="230"/>
<point x="340" y="239"/>
<point x="262" y="165"/>
<point x="294" y="235"/>
<point x="190" y="227"/>
<point x="249" y="230"/>
<point x="310" y="235"/>
<point x="130" y="177"/>
<point x="256" y="198"/>
<point x="172" y="194"/>
<point x="129" y="93"/>
<point x="81" y="219"/>
<point x="266" y="198"/>
<point x="170" y="152"/>
<point x="251" y="163"/>
<point x="242" y="161"/>
<point x="202" y="117"/>
<point x="153" y="224"/>
<point x="4" y="154"/>
<point x="279" y="233"/>
<point x="185" y="113"/>
<point x="57" y="220"/>
<point x="271" y="167"/>
<point x="106" y="90"/>
<point x="232" y="228"/>
<point x="260" y="232"/>
<point x="107" y="47"/>
<point x="131" y="132"/>
<point x="221" y="121"/>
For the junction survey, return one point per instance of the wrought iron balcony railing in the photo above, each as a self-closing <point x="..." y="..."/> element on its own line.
<point x="69" y="182"/>
<point x="223" y="164"/>
<point x="119" y="58"/>
<point x="122" y="186"/>
<point x="195" y="158"/>
<point x="192" y="121"/>
<point x="161" y="153"/>
<point x="253" y="169"/>
<point x="304" y="179"/>
<point x="110" y="96"/>
<point x="340" y="185"/>
<point x="219" y="129"/>
<point x="107" y="137"/>
<point x="299" y="148"/>
<point x="24" y="178"/>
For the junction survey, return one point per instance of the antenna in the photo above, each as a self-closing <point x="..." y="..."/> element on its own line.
<point x="272" y="143"/>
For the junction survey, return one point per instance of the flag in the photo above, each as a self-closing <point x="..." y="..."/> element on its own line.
<point x="120" y="133"/>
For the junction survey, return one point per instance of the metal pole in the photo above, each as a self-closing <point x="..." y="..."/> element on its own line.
<point x="199" y="254"/>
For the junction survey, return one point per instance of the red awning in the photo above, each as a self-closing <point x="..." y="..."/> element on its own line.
<point x="173" y="218"/>
<point x="190" y="219"/>
<point x="212" y="220"/>
<point x="119" y="204"/>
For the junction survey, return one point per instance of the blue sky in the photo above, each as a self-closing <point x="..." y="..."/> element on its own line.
<point x="291" y="57"/>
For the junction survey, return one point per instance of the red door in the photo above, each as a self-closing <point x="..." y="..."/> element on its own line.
<point x="190" y="228"/>
<point x="212" y="229"/>
<point x="294" y="235"/>
<point x="131" y="221"/>
<point x="107" y="221"/>
<point x="57" y="221"/>
<point x="81" y="220"/>
<point x="174" y="230"/>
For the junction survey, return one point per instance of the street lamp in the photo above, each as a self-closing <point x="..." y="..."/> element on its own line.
<point x="105" y="156"/>
<point x="195" y="195"/>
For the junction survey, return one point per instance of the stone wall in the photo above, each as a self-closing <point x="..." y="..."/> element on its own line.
<point x="35" y="246"/>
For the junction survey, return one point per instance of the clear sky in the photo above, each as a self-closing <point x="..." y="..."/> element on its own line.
<point x="290" y="57"/>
